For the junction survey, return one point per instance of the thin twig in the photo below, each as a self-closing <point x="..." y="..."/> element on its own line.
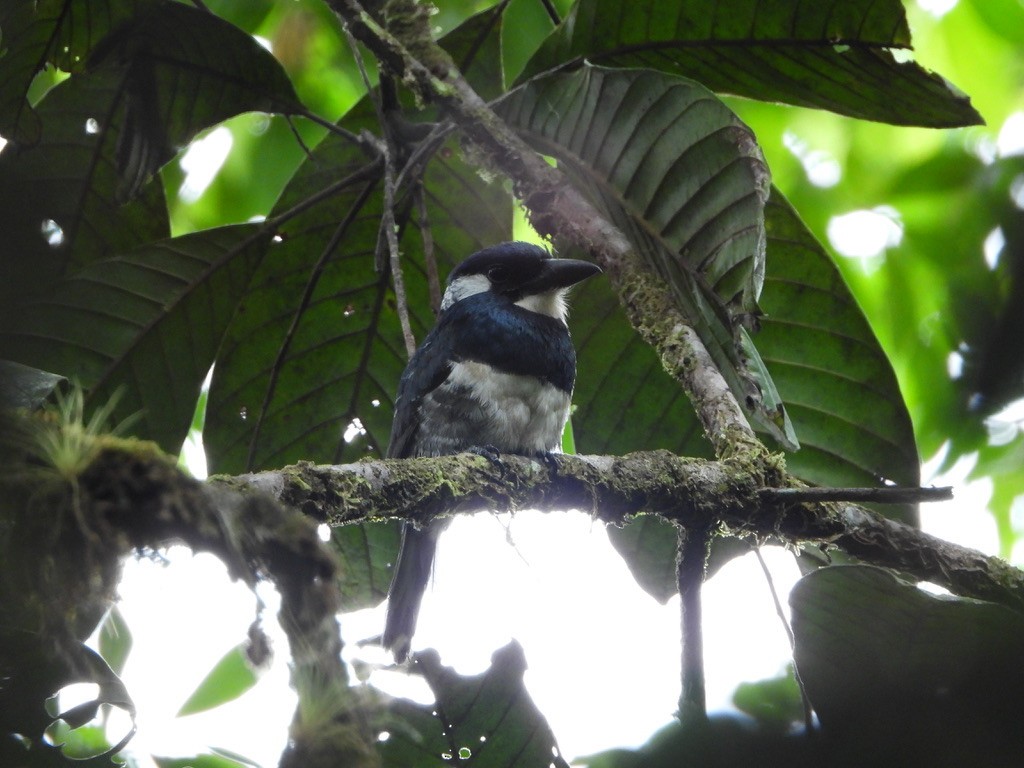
<point x="298" y="138"/>
<point x="552" y="12"/>
<point x="388" y="225"/>
<point x="808" y="711"/>
<point x="872" y="495"/>
<point x="429" y="260"/>
<point x="336" y="129"/>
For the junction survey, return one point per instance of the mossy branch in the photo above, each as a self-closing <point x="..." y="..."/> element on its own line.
<point x="727" y="496"/>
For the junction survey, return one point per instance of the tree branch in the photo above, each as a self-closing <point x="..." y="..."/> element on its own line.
<point x="133" y="498"/>
<point x="693" y="493"/>
<point x="691" y="567"/>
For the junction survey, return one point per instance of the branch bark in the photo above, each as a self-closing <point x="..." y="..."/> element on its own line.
<point x="727" y="496"/>
<point x="132" y="499"/>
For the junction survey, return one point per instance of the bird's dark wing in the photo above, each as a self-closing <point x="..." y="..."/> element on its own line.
<point x="426" y="371"/>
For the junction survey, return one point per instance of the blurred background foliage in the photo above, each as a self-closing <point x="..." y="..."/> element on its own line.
<point x="938" y="265"/>
<point x="927" y="224"/>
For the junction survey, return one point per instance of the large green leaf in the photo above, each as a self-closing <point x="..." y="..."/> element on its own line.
<point x="871" y="648"/>
<point x="56" y="32"/>
<point x="147" y="322"/>
<point x="487" y="721"/>
<point x="182" y="70"/>
<point x="151" y="85"/>
<point x="834" y="55"/>
<point x="58" y="204"/>
<point x="684" y="180"/>
<point x="837" y="382"/>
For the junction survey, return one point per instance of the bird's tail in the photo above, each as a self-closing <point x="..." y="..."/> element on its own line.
<point x="412" y="573"/>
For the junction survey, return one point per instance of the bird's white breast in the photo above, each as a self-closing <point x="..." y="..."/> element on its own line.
<point x="525" y="413"/>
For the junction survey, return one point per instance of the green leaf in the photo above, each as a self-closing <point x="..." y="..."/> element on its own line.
<point x="775" y="703"/>
<point x="57" y="32"/>
<point x="81" y="742"/>
<point x="148" y="322"/>
<point x="183" y="69"/>
<point x="830" y="55"/>
<point x="616" y="412"/>
<point x="870" y="645"/>
<point x="837" y="382"/>
<point x="684" y="180"/>
<point x="484" y="720"/>
<point x="230" y="678"/>
<point x="840" y="390"/>
<point x="475" y="46"/>
<point x="58" y="204"/>
<point x="366" y="555"/>
<point x="115" y="640"/>
<point x="649" y="547"/>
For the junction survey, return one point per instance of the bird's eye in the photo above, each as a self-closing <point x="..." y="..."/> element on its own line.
<point x="498" y="274"/>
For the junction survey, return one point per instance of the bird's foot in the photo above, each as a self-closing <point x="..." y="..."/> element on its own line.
<point x="489" y="452"/>
<point x="551" y="460"/>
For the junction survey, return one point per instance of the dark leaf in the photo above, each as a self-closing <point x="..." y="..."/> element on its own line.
<point x="870" y="647"/>
<point x="148" y="322"/>
<point x="837" y="382"/>
<point x="56" y="32"/>
<point x="831" y="55"/>
<point x="183" y="70"/>
<point x="58" y="204"/>
<point x="814" y="336"/>
<point x="366" y="554"/>
<point x="475" y="46"/>
<point x="483" y="721"/>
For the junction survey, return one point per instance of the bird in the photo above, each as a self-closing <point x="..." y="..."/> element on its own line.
<point x="495" y="374"/>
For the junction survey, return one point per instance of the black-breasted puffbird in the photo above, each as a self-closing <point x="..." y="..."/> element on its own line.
<point x="495" y="373"/>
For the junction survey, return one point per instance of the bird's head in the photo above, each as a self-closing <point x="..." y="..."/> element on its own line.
<point x="523" y="273"/>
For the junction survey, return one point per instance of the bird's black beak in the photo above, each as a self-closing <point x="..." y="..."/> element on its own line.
<point x="560" y="273"/>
